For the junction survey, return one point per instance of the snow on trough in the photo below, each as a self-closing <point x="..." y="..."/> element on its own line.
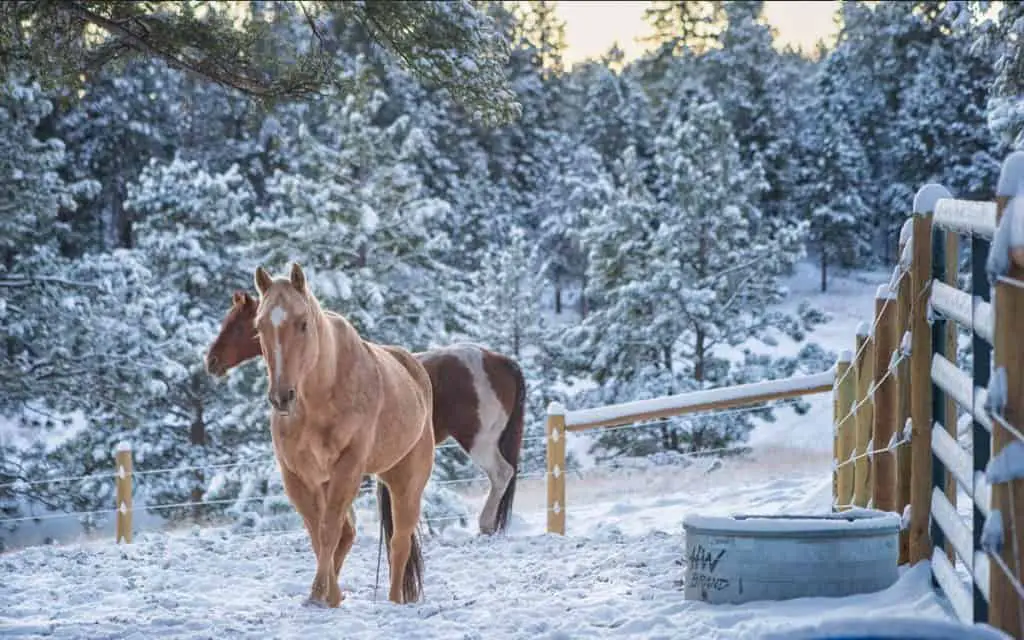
<point x="618" y="573"/>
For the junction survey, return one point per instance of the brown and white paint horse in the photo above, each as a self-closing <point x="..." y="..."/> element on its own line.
<point x="479" y="399"/>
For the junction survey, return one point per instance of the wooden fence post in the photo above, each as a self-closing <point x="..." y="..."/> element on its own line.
<point x="886" y="405"/>
<point x="556" y="468"/>
<point x="904" y="452"/>
<point x="864" y="365"/>
<point x="123" y="525"/>
<point x="846" y="430"/>
<point x="838" y="413"/>
<point x="1008" y="497"/>
<point x="920" y="373"/>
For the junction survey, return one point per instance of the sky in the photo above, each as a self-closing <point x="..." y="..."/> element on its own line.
<point x="592" y="26"/>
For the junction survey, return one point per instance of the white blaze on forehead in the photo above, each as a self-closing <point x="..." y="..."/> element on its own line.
<point x="277" y="317"/>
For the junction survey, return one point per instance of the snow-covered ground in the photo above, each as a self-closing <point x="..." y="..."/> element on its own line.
<point x="618" y="572"/>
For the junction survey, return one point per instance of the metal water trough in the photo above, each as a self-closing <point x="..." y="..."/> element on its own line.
<point x="743" y="558"/>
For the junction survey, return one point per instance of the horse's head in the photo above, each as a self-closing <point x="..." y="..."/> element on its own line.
<point x="287" y="322"/>
<point x="237" y="340"/>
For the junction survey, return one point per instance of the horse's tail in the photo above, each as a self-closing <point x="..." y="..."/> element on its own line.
<point x="510" y="442"/>
<point x="412" y="581"/>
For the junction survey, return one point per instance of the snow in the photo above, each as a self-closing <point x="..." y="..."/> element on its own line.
<point x="997" y="391"/>
<point x="1011" y="177"/>
<point x="885" y="292"/>
<point x="618" y="572"/>
<point x="849" y="299"/>
<point x="1006" y="465"/>
<point x="992" y="532"/>
<point x="927" y="196"/>
<point x="1009" y="237"/>
<point x="556" y="409"/>
<point x="888" y="628"/>
<point x="972" y="217"/>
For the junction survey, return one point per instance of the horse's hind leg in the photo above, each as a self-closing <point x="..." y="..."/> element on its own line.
<point x="406" y="482"/>
<point x="499" y="472"/>
<point x="348" y="538"/>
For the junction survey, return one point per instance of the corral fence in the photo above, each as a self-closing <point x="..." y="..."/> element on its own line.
<point x="125" y="477"/>
<point x="904" y="405"/>
<point x="560" y="422"/>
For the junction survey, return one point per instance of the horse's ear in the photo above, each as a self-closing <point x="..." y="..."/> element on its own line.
<point x="263" y="280"/>
<point x="298" y="278"/>
<point x="238" y="299"/>
<point x="248" y="299"/>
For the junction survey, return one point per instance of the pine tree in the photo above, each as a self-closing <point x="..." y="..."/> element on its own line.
<point x="580" y="186"/>
<point x="351" y="208"/>
<point x="677" y="281"/>
<point x="835" y="177"/>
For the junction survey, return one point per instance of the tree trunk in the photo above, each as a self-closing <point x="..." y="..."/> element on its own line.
<point x="824" y="270"/>
<point x="699" y="357"/>
<point x="584" y="308"/>
<point x="558" y="295"/>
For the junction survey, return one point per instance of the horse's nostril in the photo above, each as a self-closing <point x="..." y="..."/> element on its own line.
<point x="291" y="395"/>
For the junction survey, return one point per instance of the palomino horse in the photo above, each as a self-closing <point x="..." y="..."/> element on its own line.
<point x="478" y="401"/>
<point x="344" y="407"/>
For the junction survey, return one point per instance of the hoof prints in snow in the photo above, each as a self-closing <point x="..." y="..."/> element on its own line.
<point x="540" y="586"/>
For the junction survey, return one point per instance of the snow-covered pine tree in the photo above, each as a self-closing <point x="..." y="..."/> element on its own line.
<point x="940" y="130"/>
<point x="579" y="186"/>
<point x="835" y="176"/>
<point x="682" y="276"/>
<point x="33" y="269"/>
<point x="122" y="120"/>
<point x="192" y="229"/>
<point x="351" y="208"/>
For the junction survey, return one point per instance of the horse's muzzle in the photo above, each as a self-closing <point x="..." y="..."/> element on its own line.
<point x="283" y="401"/>
<point x="213" y="366"/>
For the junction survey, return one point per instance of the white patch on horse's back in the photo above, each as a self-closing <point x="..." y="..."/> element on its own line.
<point x="277" y="316"/>
<point x="491" y="411"/>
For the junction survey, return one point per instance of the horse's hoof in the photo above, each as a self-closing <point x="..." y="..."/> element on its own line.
<point x="310" y="601"/>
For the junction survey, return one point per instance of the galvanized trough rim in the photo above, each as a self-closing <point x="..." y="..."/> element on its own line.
<point x="855" y="522"/>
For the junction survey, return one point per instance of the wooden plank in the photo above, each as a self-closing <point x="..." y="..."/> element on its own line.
<point x="698" y="401"/>
<point x="846" y="429"/>
<point x="886" y="410"/>
<point x="965" y="310"/>
<point x="921" y="389"/>
<point x="1005" y="612"/>
<point x="904" y="452"/>
<point x="957" y="384"/>
<point x="864" y="365"/>
<point x="956" y="532"/>
<point x="556" y="468"/>
<point x="969" y="217"/>
<point x="951" y="585"/>
<point x="123" y="524"/>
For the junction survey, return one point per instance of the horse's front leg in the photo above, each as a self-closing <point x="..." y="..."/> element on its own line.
<point x="337" y="498"/>
<point x="305" y="502"/>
